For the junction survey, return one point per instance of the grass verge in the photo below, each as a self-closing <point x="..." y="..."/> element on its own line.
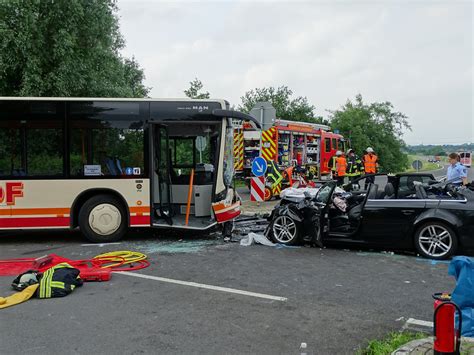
<point x="390" y="343"/>
<point x="426" y="165"/>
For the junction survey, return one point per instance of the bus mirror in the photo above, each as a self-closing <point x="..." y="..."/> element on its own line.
<point x="236" y="115"/>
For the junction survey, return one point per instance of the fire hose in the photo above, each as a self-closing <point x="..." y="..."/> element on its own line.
<point x="123" y="260"/>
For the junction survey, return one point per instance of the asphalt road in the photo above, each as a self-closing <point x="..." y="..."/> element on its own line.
<point x="336" y="299"/>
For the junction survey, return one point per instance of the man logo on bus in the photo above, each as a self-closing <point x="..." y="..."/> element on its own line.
<point x="10" y="192"/>
<point x="200" y="108"/>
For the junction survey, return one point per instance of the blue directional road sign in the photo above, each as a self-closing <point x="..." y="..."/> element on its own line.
<point x="259" y="166"/>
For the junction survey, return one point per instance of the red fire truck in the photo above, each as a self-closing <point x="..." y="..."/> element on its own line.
<point x="288" y="143"/>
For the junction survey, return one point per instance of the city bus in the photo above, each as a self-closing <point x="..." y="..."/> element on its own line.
<point x="104" y="165"/>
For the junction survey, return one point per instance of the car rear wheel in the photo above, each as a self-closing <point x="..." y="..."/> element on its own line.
<point x="102" y="219"/>
<point x="285" y="230"/>
<point x="435" y="240"/>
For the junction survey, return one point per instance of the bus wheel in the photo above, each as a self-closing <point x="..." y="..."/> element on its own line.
<point x="102" y="219"/>
<point x="268" y="193"/>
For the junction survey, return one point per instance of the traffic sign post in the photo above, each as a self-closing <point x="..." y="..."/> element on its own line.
<point x="417" y="165"/>
<point x="266" y="114"/>
<point x="257" y="183"/>
<point x="201" y="144"/>
<point x="259" y="166"/>
<point x="257" y="189"/>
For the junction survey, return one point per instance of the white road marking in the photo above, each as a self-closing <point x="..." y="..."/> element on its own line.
<point x="418" y="325"/>
<point x="423" y="323"/>
<point x="208" y="287"/>
<point x="98" y="245"/>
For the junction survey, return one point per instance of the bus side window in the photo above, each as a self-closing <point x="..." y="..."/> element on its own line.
<point x="108" y="135"/>
<point x="45" y="150"/>
<point x="10" y="159"/>
<point x="31" y="140"/>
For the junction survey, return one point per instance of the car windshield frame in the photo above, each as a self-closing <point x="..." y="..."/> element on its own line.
<point x="331" y="185"/>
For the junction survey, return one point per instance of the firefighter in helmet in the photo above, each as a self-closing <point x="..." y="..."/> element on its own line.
<point x="341" y="167"/>
<point x="354" y="165"/>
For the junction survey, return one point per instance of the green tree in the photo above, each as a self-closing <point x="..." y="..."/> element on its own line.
<point x="297" y="109"/>
<point x="65" y="48"/>
<point x="195" y="87"/>
<point x="374" y="125"/>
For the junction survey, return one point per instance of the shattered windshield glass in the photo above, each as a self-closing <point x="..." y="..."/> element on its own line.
<point x="229" y="155"/>
<point x="324" y="193"/>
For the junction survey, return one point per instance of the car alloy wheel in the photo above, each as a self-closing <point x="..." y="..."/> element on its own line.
<point x="284" y="230"/>
<point x="435" y="240"/>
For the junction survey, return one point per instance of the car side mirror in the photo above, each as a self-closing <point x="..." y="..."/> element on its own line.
<point x="307" y="195"/>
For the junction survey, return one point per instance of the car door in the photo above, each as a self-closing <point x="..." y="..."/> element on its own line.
<point x="388" y="221"/>
<point x="322" y="201"/>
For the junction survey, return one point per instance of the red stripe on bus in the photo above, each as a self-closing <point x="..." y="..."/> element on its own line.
<point x="35" y="222"/>
<point x="135" y="220"/>
<point x="33" y="211"/>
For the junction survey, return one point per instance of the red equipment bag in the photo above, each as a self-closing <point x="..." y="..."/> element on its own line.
<point x="93" y="274"/>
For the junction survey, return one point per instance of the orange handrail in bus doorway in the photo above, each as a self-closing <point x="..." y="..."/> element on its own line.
<point x="190" y="194"/>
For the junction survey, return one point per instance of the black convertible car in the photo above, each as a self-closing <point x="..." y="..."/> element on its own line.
<point x="404" y="211"/>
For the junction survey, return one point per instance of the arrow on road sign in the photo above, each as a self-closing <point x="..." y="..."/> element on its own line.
<point x="259" y="166"/>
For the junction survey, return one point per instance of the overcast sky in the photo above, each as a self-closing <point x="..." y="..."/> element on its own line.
<point x="416" y="54"/>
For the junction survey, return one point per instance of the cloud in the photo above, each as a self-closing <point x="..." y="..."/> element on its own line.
<point x="418" y="55"/>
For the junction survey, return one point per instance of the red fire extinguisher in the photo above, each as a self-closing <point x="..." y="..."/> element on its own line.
<point x="447" y="337"/>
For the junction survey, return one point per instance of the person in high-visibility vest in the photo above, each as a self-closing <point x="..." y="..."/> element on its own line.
<point x="274" y="176"/>
<point x="354" y="165"/>
<point x="341" y="167"/>
<point x="289" y="175"/>
<point x="332" y="164"/>
<point x="371" y="164"/>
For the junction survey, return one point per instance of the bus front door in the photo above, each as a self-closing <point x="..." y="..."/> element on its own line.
<point x="163" y="172"/>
